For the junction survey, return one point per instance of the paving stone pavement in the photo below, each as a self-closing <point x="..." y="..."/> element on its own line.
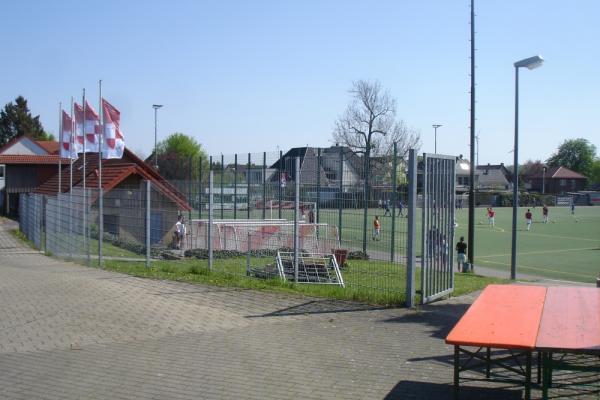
<point x="71" y="332"/>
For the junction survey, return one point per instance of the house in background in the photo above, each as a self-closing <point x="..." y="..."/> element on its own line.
<point x="494" y="177"/>
<point x="556" y="180"/>
<point x="25" y="164"/>
<point x="123" y="185"/>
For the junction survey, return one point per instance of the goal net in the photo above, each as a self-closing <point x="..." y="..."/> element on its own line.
<point x="272" y="234"/>
<point x="312" y="268"/>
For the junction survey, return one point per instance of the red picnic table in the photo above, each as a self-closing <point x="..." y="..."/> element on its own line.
<point x="522" y="319"/>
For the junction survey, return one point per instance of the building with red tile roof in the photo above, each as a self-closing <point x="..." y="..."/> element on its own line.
<point x="556" y="180"/>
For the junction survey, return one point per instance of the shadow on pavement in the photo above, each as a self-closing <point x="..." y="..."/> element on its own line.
<point x="441" y="318"/>
<point x="439" y="391"/>
<point x="320" y="307"/>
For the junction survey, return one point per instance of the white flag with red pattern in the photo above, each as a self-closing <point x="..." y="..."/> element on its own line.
<point x="79" y="139"/>
<point x="113" y="142"/>
<point x="92" y="129"/>
<point x="67" y="147"/>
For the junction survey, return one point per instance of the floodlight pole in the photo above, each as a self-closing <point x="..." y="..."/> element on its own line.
<point x="472" y="166"/>
<point x="156" y="107"/>
<point x="435" y="128"/>
<point x="530" y="63"/>
<point x="544" y="180"/>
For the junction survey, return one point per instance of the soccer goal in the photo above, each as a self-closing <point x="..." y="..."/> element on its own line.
<point x="272" y="234"/>
<point x="317" y="268"/>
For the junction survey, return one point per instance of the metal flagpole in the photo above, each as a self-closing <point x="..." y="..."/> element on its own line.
<point x="85" y="242"/>
<point x="100" y="191"/>
<point x="60" y="146"/>
<point x="71" y="143"/>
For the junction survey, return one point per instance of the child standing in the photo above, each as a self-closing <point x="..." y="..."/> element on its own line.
<point x="545" y="214"/>
<point x="376" y="228"/>
<point x="461" y="254"/>
<point x="528" y="217"/>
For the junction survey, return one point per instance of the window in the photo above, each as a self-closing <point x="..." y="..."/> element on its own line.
<point x="563" y="182"/>
<point x="2" y="171"/>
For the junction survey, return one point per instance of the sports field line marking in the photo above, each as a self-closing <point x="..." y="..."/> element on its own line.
<point x="521" y="266"/>
<point x="539" y="252"/>
<point x="533" y="233"/>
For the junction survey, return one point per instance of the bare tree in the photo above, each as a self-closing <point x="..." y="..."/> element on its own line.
<point x="369" y="126"/>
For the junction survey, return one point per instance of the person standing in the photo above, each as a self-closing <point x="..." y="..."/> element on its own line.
<point x="179" y="229"/>
<point x="386" y="206"/>
<point x="491" y="217"/>
<point x="461" y="254"/>
<point x="376" y="228"/>
<point x="545" y="213"/>
<point x="572" y="207"/>
<point x="400" y="208"/>
<point x="528" y="217"/>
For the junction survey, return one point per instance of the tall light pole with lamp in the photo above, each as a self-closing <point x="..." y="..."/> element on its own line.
<point x="435" y="127"/>
<point x="529" y="63"/>
<point x="544" y="180"/>
<point x="156" y="107"/>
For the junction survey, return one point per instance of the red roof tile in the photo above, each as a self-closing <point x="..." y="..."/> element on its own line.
<point x="114" y="171"/>
<point x="557" y="173"/>
<point x="50" y="146"/>
<point x="31" y="159"/>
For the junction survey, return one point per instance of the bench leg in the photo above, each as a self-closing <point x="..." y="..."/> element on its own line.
<point x="539" y="368"/>
<point x="487" y="362"/>
<point x="528" y="377"/>
<point x="456" y="370"/>
<point x="545" y="377"/>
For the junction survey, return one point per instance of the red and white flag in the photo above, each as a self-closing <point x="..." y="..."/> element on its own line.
<point x="114" y="141"/>
<point x="67" y="148"/>
<point x="79" y="139"/>
<point x="92" y="129"/>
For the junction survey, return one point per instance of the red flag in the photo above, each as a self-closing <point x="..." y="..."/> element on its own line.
<point x="114" y="141"/>
<point x="67" y="149"/>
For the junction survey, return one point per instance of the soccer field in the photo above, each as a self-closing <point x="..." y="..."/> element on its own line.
<point x="567" y="248"/>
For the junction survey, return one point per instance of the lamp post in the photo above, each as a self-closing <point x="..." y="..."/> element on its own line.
<point x="529" y="63"/>
<point x="435" y="126"/>
<point x="156" y="107"/>
<point x="544" y="180"/>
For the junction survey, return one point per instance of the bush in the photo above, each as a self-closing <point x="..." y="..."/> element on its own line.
<point x="357" y="255"/>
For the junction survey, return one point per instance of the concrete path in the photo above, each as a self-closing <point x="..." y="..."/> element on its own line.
<point x="71" y="332"/>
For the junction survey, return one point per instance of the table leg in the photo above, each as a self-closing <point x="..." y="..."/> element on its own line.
<point x="487" y="363"/>
<point x="545" y="377"/>
<point x="549" y="369"/>
<point x="528" y="377"/>
<point x="456" y="370"/>
<point x="539" y="368"/>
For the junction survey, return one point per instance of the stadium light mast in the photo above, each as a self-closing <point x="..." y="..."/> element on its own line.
<point x="435" y="127"/>
<point x="529" y="63"/>
<point x="544" y="180"/>
<point x="156" y="107"/>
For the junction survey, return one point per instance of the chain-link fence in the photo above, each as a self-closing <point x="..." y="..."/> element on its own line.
<point x="340" y="216"/>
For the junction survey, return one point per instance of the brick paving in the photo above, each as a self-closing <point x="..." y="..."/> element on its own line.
<point x="71" y="332"/>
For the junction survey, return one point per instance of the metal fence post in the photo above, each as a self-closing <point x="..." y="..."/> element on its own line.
<point x="199" y="187"/>
<point x="249" y="248"/>
<point x="341" y="202"/>
<point x="280" y="185"/>
<point x="318" y="184"/>
<point x="148" y="189"/>
<point x="394" y="166"/>
<point x="222" y="176"/>
<point x="264" y="182"/>
<point x="190" y="185"/>
<point x="100" y="226"/>
<point x="210" y="219"/>
<point x="235" y="171"/>
<point x="296" y="216"/>
<point x="248" y="185"/>
<point x="412" y="232"/>
<point x="366" y="201"/>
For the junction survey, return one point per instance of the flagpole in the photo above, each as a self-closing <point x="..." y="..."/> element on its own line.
<point x="60" y="147"/>
<point x="85" y="241"/>
<point x="71" y="143"/>
<point x="100" y="194"/>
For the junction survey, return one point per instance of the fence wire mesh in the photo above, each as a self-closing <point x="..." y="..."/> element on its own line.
<point x="346" y="207"/>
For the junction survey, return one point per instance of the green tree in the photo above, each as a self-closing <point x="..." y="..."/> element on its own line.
<point x="16" y="120"/>
<point x="595" y="174"/>
<point x="576" y="154"/>
<point x="178" y="157"/>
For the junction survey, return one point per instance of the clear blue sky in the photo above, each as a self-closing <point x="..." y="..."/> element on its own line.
<point x="245" y="76"/>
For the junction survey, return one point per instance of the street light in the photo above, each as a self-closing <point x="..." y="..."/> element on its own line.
<point x="156" y="107"/>
<point x="544" y="180"/>
<point x="435" y="126"/>
<point x="529" y="63"/>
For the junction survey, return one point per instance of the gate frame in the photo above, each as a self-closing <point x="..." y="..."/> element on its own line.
<point x="440" y="276"/>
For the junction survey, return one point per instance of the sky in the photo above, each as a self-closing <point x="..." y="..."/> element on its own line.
<point x="253" y="76"/>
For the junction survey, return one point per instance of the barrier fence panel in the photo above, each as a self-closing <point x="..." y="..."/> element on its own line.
<point x="337" y="203"/>
<point x="438" y="221"/>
